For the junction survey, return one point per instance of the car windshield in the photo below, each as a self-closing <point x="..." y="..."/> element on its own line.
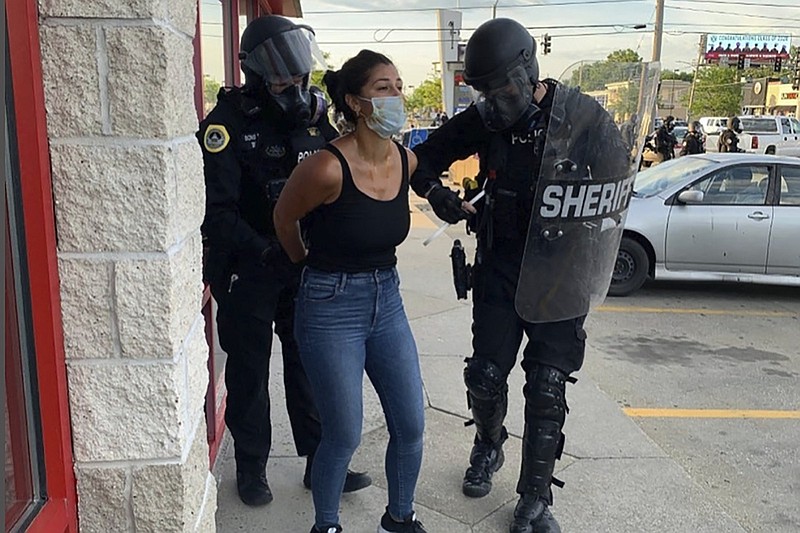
<point x="658" y="178"/>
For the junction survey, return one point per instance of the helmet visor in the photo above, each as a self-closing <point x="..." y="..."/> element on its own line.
<point x="501" y="107"/>
<point x="284" y="57"/>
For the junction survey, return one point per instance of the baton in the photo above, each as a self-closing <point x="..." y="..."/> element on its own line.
<point x="446" y="225"/>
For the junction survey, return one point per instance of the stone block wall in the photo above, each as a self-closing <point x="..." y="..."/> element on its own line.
<point x="128" y="194"/>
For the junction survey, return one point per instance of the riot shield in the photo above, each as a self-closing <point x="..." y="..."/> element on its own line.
<point x="584" y="185"/>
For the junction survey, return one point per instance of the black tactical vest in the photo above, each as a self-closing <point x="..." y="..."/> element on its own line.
<point x="267" y="156"/>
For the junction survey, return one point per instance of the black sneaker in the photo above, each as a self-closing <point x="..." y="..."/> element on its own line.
<point x="327" y="529"/>
<point x="532" y="515"/>
<point x="409" y="525"/>
<point x="484" y="461"/>
<point x="353" y="482"/>
<point x="253" y="487"/>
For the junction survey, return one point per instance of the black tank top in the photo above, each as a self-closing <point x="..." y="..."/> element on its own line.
<point x="357" y="233"/>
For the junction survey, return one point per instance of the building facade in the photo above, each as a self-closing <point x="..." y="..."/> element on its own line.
<point x="114" y="395"/>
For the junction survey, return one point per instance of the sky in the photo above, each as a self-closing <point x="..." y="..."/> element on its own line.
<point x="584" y="30"/>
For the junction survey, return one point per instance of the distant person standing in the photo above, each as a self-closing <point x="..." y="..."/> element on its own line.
<point x="728" y="139"/>
<point x="694" y="142"/>
<point x="665" y="140"/>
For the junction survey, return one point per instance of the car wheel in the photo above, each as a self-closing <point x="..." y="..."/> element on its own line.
<point x="630" y="269"/>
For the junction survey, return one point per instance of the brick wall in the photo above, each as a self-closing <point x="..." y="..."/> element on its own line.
<point x="128" y="194"/>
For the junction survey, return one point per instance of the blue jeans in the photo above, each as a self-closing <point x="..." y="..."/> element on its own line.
<point x="346" y="324"/>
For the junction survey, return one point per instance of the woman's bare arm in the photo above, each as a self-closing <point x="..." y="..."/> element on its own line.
<point x="315" y="181"/>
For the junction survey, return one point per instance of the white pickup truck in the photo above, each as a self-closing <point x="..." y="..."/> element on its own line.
<point x="768" y="134"/>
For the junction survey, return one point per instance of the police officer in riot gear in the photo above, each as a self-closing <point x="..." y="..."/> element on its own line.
<point x="694" y="142"/>
<point x="251" y="142"/>
<point x="665" y="141"/>
<point x="729" y="140"/>
<point x="506" y="127"/>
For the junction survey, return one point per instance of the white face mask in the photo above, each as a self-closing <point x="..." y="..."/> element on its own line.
<point x="388" y="115"/>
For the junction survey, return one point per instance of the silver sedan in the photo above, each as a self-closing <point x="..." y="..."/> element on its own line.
<point x="729" y="217"/>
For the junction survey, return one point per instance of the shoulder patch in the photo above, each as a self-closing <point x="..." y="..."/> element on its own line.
<point x="216" y="138"/>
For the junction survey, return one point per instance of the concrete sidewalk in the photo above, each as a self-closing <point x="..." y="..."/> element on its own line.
<point x="617" y="479"/>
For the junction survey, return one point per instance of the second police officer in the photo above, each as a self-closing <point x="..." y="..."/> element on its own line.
<point x="251" y="142"/>
<point x="729" y="140"/>
<point x="507" y="129"/>
<point x="694" y="142"/>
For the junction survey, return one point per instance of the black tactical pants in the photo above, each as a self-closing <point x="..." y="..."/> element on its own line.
<point x="248" y="307"/>
<point x="552" y="353"/>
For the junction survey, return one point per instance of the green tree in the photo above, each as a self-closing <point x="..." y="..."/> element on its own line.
<point x="316" y="75"/>
<point x="623" y="56"/>
<point x="675" y="75"/>
<point x="616" y="67"/>
<point x="210" y="89"/>
<point x="717" y="92"/>
<point x="427" y="95"/>
<point x="627" y="101"/>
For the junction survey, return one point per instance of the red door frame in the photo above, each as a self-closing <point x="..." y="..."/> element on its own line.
<point x="60" y="511"/>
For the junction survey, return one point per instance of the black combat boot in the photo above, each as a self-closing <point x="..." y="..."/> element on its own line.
<point x="532" y="515"/>
<point x="485" y="459"/>
<point x="253" y="487"/>
<point x="487" y="397"/>
<point x="353" y="482"/>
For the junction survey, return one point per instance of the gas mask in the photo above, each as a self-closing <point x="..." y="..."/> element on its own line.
<point x="502" y="107"/>
<point x="294" y="104"/>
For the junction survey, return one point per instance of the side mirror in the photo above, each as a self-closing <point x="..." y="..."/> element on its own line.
<point x="691" y="197"/>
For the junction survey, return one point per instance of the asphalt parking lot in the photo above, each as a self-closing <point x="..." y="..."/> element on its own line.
<point x="711" y="372"/>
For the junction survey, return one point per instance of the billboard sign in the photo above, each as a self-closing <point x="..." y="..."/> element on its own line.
<point x="757" y="48"/>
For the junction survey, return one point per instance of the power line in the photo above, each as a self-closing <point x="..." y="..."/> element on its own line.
<point x="765" y="17"/>
<point x="555" y="27"/>
<point x="737" y="3"/>
<point x="419" y="41"/>
<point x="424" y="9"/>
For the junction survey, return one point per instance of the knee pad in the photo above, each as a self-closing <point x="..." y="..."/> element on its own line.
<point x="545" y="394"/>
<point x="484" y="379"/>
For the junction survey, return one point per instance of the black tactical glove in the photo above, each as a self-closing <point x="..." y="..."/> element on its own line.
<point x="272" y="254"/>
<point x="446" y="204"/>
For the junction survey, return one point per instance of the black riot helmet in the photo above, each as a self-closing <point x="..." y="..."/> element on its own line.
<point x="735" y="124"/>
<point x="278" y="55"/>
<point x="275" y="50"/>
<point x="500" y="63"/>
<point x="669" y="123"/>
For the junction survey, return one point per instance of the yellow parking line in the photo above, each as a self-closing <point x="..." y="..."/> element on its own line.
<point x="710" y="413"/>
<point x="680" y="311"/>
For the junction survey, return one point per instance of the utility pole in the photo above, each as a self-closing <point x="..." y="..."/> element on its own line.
<point x="658" y="33"/>
<point x="494" y="9"/>
<point x="701" y="47"/>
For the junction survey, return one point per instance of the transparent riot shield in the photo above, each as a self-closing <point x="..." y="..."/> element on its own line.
<point x="592" y="149"/>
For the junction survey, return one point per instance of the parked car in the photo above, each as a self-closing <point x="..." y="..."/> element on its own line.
<point x="713" y="125"/>
<point x="732" y="217"/>
<point x="770" y="135"/>
<point x="767" y="134"/>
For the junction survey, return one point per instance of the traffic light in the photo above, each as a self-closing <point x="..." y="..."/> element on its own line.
<point x="796" y="77"/>
<point x="740" y="62"/>
<point x="778" y="65"/>
<point x="545" y="44"/>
